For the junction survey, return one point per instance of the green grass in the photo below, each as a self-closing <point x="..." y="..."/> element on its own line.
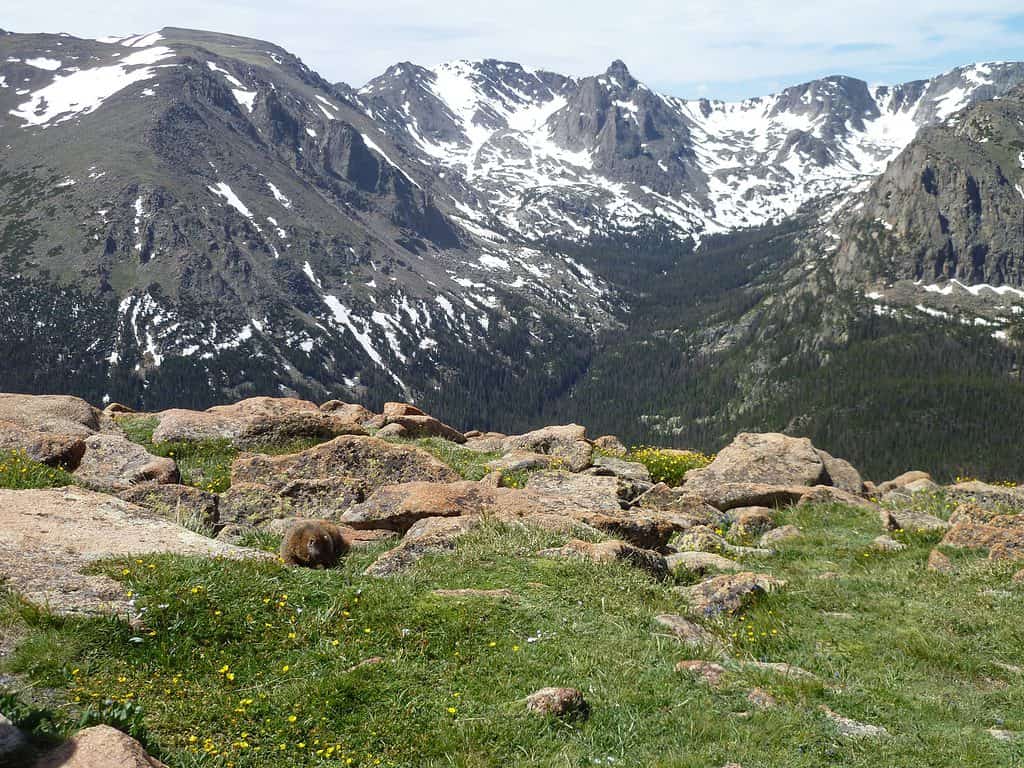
<point x="247" y="657"/>
<point x="19" y="472"/>
<point x="668" y="466"/>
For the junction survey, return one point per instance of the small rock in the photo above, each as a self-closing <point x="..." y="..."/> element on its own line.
<point x="627" y="470"/>
<point x="728" y="593"/>
<point x="521" y="461"/>
<point x="567" y="703"/>
<point x="428" y="536"/>
<point x="778" y="536"/>
<point x="750" y="522"/>
<point x="610" y="444"/>
<point x="700" y="562"/>
<point x="1018" y="577"/>
<point x="702" y="538"/>
<point x="761" y="699"/>
<point x="100" y="747"/>
<point x="905" y="479"/>
<point x="708" y="671"/>
<point x="885" y="543"/>
<point x="611" y="551"/>
<point x="911" y="520"/>
<point x="939" y="563"/>
<point x="687" y="632"/>
<point x="416" y="423"/>
<point x="781" y="668"/>
<point x="1002" y="735"/>
<point x="113" y="463"/>
<point x="849" y="727"/>
<point x="392" y="430"/>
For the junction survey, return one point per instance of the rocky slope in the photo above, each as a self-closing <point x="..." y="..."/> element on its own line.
<point x="772" y="579"/>
<point x="187" y="216"/>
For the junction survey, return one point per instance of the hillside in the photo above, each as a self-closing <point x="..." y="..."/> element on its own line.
<point x="543" y="598"/>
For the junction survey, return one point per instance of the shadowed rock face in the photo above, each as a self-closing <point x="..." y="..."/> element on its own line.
<point x="948" y="207"/>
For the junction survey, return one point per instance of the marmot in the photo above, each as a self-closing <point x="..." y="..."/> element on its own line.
<point x="313" y="544"/>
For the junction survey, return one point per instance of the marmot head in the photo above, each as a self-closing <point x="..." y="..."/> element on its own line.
<point x="320" y="549"/>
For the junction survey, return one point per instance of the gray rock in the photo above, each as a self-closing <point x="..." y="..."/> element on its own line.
<point x="113" y="463"/>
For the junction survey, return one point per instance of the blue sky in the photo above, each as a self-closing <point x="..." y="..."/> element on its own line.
<point x="722" y="49"/>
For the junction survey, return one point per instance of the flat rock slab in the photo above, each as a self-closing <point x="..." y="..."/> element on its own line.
<point x="49" y="537"/>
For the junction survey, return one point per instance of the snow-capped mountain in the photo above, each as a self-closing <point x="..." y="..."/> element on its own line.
<point x="533" y="154"/>
<point x="190" y="214"/>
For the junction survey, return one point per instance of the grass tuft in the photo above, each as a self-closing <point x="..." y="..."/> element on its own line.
<point x="19" y="472"/>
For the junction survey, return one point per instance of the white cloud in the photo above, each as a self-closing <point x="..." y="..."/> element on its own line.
<point x="675" y="46"/>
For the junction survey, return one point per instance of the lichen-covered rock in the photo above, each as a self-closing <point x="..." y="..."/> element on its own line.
<point x="852" y="728"/>
<point x="911" y="520"/>
<point x="568" y="443"/>
<point x="600" y="494"/>
<point x="566" y="703"/>
<point x="760" y="458"/>
<point x="777" y="536"/>
<point x="398" y="507"/>
<point x="687" y="632"/>
<point x="702" y="538"/>
<point x="627" y="470"/>
<point x="750" y="522"/>
<point x="700" y="563"/>
<point x="708" y="671"/>
<point x="255" y="421"/>
<point x="974" y="527"/>
<point x="885" y="543"/>
<point x="428" y="536"/>
<point x="374" y="461"/>
<point x="610" y="552"/>
<point x="113" y="463"/>
<point x="728" y="593"/>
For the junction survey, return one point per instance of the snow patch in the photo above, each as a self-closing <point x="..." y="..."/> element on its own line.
<point x="83" y="92"/>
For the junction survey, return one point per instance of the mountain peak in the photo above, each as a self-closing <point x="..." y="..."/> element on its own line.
<point x="619" y="70"/>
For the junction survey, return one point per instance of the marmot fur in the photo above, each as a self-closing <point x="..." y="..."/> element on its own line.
<point x="313" y="544"/>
